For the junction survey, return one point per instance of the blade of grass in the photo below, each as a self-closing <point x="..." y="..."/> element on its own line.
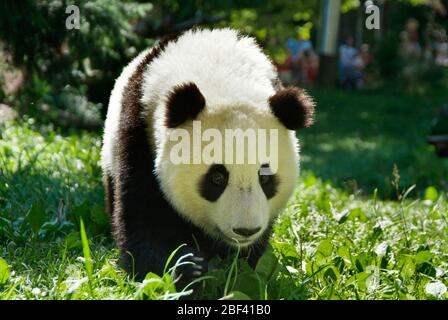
<point x="86" y="253"/>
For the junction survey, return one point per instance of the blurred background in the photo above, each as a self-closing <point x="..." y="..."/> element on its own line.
<point x="380" y="84"/>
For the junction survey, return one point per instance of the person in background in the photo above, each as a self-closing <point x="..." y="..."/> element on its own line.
<point x="310" y="67"/>
<point x="366" y="58"/>
<point x="348" y="71"/>
<point x="285" y="70"/>
<point x="366" y="55"/>
<point x="410" y="45"/>
<point x="296" y="47"/>
<point x="358" y="77"/>
<point x="442" y="54"/>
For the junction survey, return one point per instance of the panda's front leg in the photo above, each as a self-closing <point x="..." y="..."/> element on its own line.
<point x="146" y="254"/>
<point x="189" y="266"/>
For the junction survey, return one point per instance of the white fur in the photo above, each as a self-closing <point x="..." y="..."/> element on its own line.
<point x="243" y="203"/>
<point x="236" y="79"/>
<point x="108" y="155"/>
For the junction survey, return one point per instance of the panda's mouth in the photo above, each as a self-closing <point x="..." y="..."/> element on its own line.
<point x="233" y="241"/>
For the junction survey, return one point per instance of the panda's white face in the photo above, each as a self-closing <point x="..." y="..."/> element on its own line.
<point x="234" y="203"/>
<point x="237" y="199"/>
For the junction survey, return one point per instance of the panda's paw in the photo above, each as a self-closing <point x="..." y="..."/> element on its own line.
<point x="192" y="267"/>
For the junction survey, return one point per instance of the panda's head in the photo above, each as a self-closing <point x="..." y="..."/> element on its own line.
<point x="232" y="201"/>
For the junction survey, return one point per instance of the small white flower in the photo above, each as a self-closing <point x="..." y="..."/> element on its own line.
<point x="373" y="282"/>
<point x="35" y="291"/>
<point x="292" y="270"/>
<point x="435" y="289"/>
<point x="440" y="272"/>
<point x="79" y="164"/>
<point x="338" y="216"/>
<point x="384" y="223"/>
<point x="75" y="284"/>
<point x="381" y="249"/>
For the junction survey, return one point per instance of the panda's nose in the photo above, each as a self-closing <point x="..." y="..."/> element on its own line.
<point x="245" y="232"/>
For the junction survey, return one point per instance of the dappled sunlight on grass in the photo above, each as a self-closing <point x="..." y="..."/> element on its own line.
<point x="360" y="136"/>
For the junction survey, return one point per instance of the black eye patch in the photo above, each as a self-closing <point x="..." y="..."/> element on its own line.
<point x="214" y="182"/>
<point x="268" y="182"/>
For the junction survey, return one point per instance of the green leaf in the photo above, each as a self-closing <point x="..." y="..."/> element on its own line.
<point x="423" y="256"/>
<point x="81" y="212"/>
<point x="237" y="295"/>
<point x="72" y="241"/>
<point x="36" y="216"/>
<point x="266" y="265"/>
<point x="4" y="271"/>
<point x="310" y="181"/>
<point x="361" y="280"/>
<point x="217" y="278"/>
<point x="343" y="217"/>
<point x="99" y="220"/>
<point x="431" y="194"/>
<point x="407" y="267"/>
<point x="243" y="265"/>
<point x="86" y="250"/>
<point x="331" y="274"/>
<point x="361" y="261"/>
<point x="377" y="231"/>
<point x="358" y="213"/>
<point x="250" y="284"/>
<point x="426" y="268"/>
<point x="287" y="250"/>
<point x="344" y="253"/>
<point x="152" y="285"/>
<point x="325" y="248"/>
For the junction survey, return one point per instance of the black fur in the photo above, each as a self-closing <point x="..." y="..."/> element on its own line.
<point x="184" y="103"/>
<point x="293" y="107"/>
<point x="269" y="183"/>
<point x="108" y="193"/>
<point x="209" y="190"/>
<point x="146" y="227"/>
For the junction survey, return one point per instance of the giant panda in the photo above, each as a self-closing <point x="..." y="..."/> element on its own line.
<point x="223" y="80"/>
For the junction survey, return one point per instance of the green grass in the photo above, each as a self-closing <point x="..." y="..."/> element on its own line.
<point x="332" y="242"/>
<point x="360" y="136"/>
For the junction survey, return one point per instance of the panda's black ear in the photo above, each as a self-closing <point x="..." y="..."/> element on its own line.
<point x="293" y="107"/>
<point x="184" y="102"/>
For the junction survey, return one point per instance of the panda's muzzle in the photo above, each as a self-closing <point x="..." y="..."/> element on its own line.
<point x="243" y="236"/>
<point x="246" y="232"/>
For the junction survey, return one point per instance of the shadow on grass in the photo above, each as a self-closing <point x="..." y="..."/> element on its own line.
<point x="50" y="203"/>
<point x="359" y="137"/>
